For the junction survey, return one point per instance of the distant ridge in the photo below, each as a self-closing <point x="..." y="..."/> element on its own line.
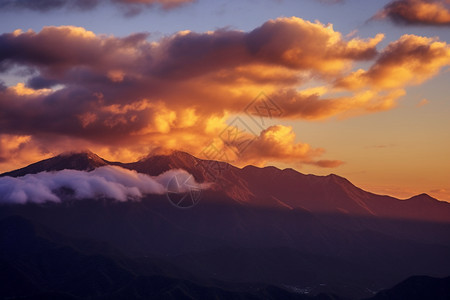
<point x="265" y="187"/>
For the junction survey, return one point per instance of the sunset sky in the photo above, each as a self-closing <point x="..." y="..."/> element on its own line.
<point x="357" y="88"/>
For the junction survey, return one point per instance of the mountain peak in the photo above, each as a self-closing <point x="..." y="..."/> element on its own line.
<point x="173" y="154"/>
<point x="84" y="160"/>
<point x="422" y="197"/>
<point x="78" y="152"/>
<point x="158" y="162"/>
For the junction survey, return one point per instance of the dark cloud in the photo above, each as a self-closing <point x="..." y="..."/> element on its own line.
<point x="331" y="1"/>
<point x="39" y="82"/>
<point x="47" y="5"/>
<point x="417" y="12"/>
<point x="324" y="163"/>
<point x="130" y="7"/>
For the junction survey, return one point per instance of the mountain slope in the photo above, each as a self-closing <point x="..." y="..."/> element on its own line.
<point x="266" y="187"/>
<point x="335" y="194"/>
<point x="417" y="288"/>
<point x="83" y="161"/>
<point x="36" y="267"/>
<point x="277" y="227"/>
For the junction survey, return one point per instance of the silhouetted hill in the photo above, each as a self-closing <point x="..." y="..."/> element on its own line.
<point x="34" y="267"/>
<point x="418" y="288"/>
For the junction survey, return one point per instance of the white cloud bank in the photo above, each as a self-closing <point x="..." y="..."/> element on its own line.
<point x="108" y="181"/>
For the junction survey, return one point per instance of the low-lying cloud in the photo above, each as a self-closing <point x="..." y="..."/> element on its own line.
<point x="111" y="182"/>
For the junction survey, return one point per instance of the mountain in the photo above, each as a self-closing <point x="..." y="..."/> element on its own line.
<point x="268" y="187"/>
<point x="38" y="263"/>
<point x="335" y="194"/>
<point x="47" y="266"/>
<point x="417" y="288"/>
<point x="82" y="160"/>
<point x="278" y="230"/>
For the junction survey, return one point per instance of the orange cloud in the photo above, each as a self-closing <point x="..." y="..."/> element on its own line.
<point x="408" y="61"/>
<point x="426" y="12"/>
<point x="19" y="150"/>
<point x="277" y="144"/>
<point x="215" y="72"/>
<point x="292" y="43"/>
<point x="315" y="107"/>
<point x="423" y="102"/>
<point x="21" y="90"/>
<point x="441" y="194"/>
<point x="124" y="97"/>
<point x="302" y="45"/>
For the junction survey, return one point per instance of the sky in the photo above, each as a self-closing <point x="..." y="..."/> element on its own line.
<point x="356" y="88"/>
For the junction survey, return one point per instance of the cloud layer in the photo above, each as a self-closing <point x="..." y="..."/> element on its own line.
<point x="420" y="12"/>
<point x="278" y="143"/>
<point x="106" y="182"/>
<point x="124" y="96"/>
<point x="408" y="61"/>
<point x="130" y="7"/>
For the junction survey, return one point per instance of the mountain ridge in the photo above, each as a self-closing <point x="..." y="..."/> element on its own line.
<point x="93" y="160"/>
<point x="267" y="225"/>
<point x="263" y="186"/>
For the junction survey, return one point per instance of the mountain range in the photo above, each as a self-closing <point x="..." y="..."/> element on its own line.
<point x="256" y="233"/>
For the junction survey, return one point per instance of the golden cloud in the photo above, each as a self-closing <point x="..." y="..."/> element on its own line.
<point x="408" y="61"/>
<point x="425" y="12"/>
<point x="277" y="143"/>
<point x="128" y="96"/>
